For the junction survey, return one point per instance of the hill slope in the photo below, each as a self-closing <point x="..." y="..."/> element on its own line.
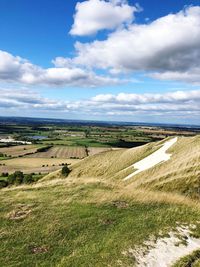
<point x="95" y="218"/>
<point x="181" y="173"/>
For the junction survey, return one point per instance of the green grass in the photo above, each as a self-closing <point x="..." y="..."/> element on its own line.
<point x="2" y="178"/>
<point x="93" y="218"/>
<point x="192" y="260"/>
<point x="79" y="233"/>
<point x="77" y="142"/>
<point x="3" y="158"/>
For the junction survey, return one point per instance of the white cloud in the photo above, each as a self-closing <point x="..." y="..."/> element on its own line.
<point x="94" y="15"/>
<point x="17" y="69"/>
<point x="167" y="48"/>
<point x="172" y="104"/>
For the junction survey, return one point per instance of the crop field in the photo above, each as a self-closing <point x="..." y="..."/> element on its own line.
<point x="96" y="150"/>
<point x="62" y="152"/>
<point x="34" y="165"/>
<point x="16" y="151"/>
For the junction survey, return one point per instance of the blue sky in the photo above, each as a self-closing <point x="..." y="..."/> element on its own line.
<point x="125" y="60"/>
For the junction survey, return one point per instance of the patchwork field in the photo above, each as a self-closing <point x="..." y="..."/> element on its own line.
<point x="15" y="151"/>
<point x="36" y="165"/>
<point x="91" y="216"/>
<point x="62" y="152"/>
<point x="69" y="152"/>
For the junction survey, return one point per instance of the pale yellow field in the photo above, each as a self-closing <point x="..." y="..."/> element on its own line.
<point x="16" y="151"/>
<point x="62" y="152"/>
<point x="29" y="165"/>
<point x="96" y="150"/>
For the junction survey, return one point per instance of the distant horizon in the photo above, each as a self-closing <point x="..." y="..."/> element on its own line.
<point x="132" y="123"/>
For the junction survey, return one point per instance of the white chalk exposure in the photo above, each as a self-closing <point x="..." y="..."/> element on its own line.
<point x="166" y="251"/>
<point x="150" y="161"/>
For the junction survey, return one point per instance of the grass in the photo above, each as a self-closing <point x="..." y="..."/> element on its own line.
<point x="75" y="230"/>
<point x="3" y="158"/>
<point x="77" y="142"/>
<point x="179" y="174"/>
<point x="15" y="151"/>
<point x="192" y="260"/>
<point x="36" y="165"/>
<point x="92" y="217"/>
<point x="62" y="152"/>
<point x="111" y="163"/>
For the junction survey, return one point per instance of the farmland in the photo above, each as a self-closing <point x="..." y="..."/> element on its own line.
<point x="34" y="165"/>
<point x="62" y="152"/>
<point x="58" y="142"/>
<point x="16" y="151"/>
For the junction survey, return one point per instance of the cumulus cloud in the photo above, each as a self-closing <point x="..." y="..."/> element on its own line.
<point x="17" y="69"/>
<point x="167" y="48"/>
<point x="94" y="15"/>
<point x="173" y="104"/>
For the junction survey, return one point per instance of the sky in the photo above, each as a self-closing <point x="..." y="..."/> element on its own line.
<point x="111" y="60"/>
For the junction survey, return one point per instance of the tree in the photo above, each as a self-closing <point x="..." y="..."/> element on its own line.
<point x="65" y="171"/>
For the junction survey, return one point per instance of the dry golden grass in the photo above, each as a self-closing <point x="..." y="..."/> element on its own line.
<point x="109" y="168"/>
<point x="96" y="150"/>
<point x="110" y="163"/>
<point x="15" y="151"/>
<point x="62" y="152"/>
<point x="29" y="165"/>
<point x="180" y="173"/>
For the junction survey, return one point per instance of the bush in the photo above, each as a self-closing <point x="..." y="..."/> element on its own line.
<point x="3" y="184"/>
<point x="16" y="178"/>
<point x="4" y="174"/>
<point x="65" y="171"/>
<point x="11" y="178"/>
<point x="28" y="179"/>
<point x="44" y="149"/>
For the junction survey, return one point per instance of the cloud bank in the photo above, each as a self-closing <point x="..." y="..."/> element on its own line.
<point x="19" y="70"/>
<point x="173" y="104"/>
<point x="166" y="49"/>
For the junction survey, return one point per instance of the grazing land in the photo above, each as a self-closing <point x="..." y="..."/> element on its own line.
<point x="62" y="152"/>
<point x="77" y="218"/>
<point x="93" y="208"/>
<point x="16" y="151"/>
<point x="34" y="165"/>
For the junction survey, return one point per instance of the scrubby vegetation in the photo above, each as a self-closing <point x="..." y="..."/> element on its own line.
<point x="18" y="178"/>
<point x="65" y="171"/>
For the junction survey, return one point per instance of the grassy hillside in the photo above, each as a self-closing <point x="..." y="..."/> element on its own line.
<point x="93" y="217"/>
<point x="180" y="174"/>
